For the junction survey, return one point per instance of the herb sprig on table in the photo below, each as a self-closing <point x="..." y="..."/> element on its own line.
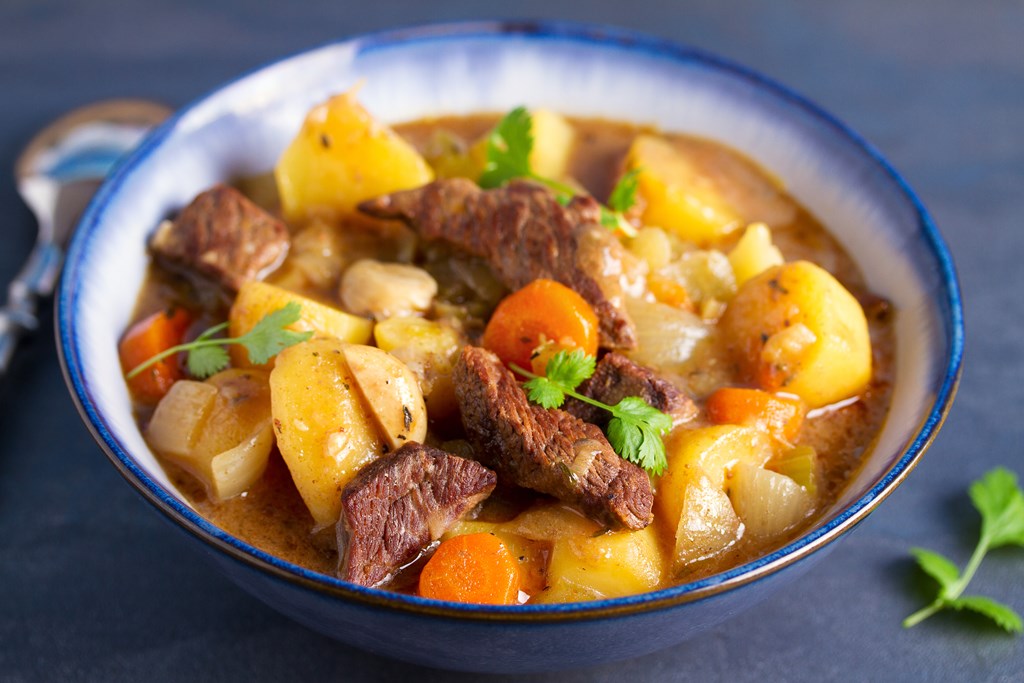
<point x="636" y="427"/>
<point x="1001" y="503"/>
<point x="207" y="355"/>
<point x="508" y="157"/>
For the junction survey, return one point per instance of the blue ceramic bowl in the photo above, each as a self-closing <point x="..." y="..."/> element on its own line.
<point x="241" y="129"/>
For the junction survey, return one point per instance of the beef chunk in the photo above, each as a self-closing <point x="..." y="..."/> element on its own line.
<point x="223" y="237"/>
<point x="617" y="377"/>
<point x="396" y="506"/>
<point x="546" y="450"/>
<point x="524" y="233"/>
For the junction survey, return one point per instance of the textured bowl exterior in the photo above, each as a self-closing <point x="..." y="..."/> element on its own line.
<point x="241" y="129"/>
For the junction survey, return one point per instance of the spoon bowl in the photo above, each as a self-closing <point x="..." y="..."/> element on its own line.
<point x="56" y="174"/>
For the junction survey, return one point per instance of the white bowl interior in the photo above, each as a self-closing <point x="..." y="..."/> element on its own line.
<point x="242" y="129"/>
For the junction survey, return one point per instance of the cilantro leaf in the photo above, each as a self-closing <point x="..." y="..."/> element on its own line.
<point x="508" y="149"/>
<point x="206" y="354"/>
<point x="545" y="393"/>
<point x="623" y="195"/>
<point x="937" y="567"/>
<point x="1001" y="503"/>
<point x="1004" y="616"/>
<point x="636" y="427"/>
<point x="270" y="335"/>
<point x="204" y="361"/>
<point x="570" y="368"/>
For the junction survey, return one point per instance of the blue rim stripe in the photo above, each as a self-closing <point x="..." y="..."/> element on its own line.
<point x="544" y="30"/>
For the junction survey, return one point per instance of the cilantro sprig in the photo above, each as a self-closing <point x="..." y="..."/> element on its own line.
<point x="508" y="157"/>
<point x="207" y="355"/>
<point x="636" y="427"/>
<point x="1001" y="504"/>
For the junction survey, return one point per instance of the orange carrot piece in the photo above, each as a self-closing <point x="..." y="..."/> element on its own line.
<point x="668" y="291"/>
<point x="543" y="310"/>
<point x="145" y="339"/>
<point x="474" y="568"/>
<point x="779" y="415"/>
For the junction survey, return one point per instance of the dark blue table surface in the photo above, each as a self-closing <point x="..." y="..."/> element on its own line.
<point x="94" y="586"/>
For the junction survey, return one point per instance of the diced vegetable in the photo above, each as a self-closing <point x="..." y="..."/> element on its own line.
<point x="342" y="156"/>
<point x="218" y="430"/>
<point x="430" y="349"/>
<point x="473" y="568"/>
<point x="707" y="524"/>
<point x="391" y="391"/>
<point x="706" y="275"/>
<point x="711" y="451"/>
<point x="610" y="565"/>
<point x="769" y="503"/>
<point x="802" y="465"/>
<point x="795" y="328"/>
<point x="653" y="246"/>
<point x="382" y="290"/>
<point x="667" y="336"/>
<point x="147" y="338"/>
<point x="754" y="253"/>
<point x="543" y="310"/>
<point x="553" y="141"/>
<point x="256" y="299"/>
<point x="324" y="429"/>
<point x="676" y="196"/>
<point x="778" y="415"/>
<point x="551" y="521"/>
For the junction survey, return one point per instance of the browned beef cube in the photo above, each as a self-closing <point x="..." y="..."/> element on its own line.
<point x="224" y="237"/>
<point x="546" y="450"/>
<point x="524" y="233"/>
<point x="617" y="377"/>
<point x="396" y="506"/>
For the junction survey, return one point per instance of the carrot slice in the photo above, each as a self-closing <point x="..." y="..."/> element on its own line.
<point x="543" y="310"/>
<point x="781" y="416"/>
<point x="475" y="568"/>
<point x="145" y="339"/>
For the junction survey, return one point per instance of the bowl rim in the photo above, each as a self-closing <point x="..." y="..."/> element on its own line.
<point x="750" y="572"/>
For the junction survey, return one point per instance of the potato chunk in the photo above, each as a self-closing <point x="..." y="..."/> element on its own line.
<point x="676" y="196"/>
<point x="324" y="429"/>
<point x="391" y="391"/>
<point x="257" y="299"/>
<point x="795" y="328"/>
<point x="553" y="141"/>
<point x="429" y="349"/>
<point x="341" y="156"/>
<point x="754" y="253"/>
<point x="611" y="565"/>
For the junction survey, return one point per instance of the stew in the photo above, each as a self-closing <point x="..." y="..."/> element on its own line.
<point x="405" y="308"/>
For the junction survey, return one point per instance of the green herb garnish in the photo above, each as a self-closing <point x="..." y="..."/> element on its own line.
<point x="1001" y="504"/>
<point x="636" y="427"/>
<point x="206" y="353"/>
<point x="508" y="157"/>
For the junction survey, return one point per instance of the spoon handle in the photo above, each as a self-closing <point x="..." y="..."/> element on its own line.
<point x="35" y="280"/>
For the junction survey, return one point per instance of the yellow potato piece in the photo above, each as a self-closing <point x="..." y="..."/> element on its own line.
<point x="795" y="328"/>
<point x="324" y="430"/>
<point x="342" y="156"/>
<point x="553" y="142"/>
<point x="676" y="196"/>
<point x="391" y="391"/>
<point x="754" y="253"/>
<point x="257" y="299"/>
<point x="611" y="565"/>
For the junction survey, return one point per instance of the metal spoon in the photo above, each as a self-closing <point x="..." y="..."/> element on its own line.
<point x="57" y="173"/>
